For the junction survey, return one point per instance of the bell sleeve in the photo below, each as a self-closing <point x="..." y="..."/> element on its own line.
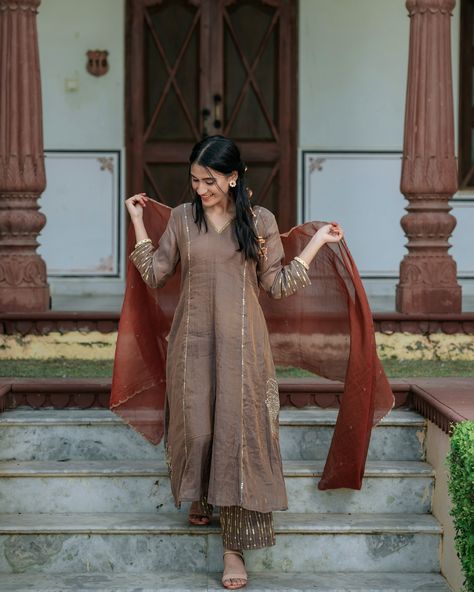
<point x="276" y="279"/>
<point x="156" y="265"/>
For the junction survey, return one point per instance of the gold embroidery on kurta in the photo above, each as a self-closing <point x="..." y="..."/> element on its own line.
<point x="188" y="248"/>
<point x="272" y="401"/>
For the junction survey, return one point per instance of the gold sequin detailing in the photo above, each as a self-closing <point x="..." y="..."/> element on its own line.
<point x="272" y="401"/>
<point x="246" y="529"/>
<point x="262" y="248"/>
<point x="242" y="343"/>
<point x="202" y="507"/>
<point x="290" y="278"/>
<point x="142" y="242"/>
<point x="142" y="258"/>
<point x="188" y="248"/>
<point x="302" y="261"/>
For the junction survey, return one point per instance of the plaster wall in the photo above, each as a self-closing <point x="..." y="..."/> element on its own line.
<point x="353" y="58"/>
<point x="437" y="448"/>
<point x="90" y="117"/>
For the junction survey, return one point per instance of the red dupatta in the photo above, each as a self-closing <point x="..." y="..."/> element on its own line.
<point x="325" y="328"/>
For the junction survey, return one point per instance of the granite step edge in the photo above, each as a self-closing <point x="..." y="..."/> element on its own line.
<point x="136" y="468"/>
<point x="176" y="523"/>
<point x="211" y="582"/>
<point x="288" y="417"/>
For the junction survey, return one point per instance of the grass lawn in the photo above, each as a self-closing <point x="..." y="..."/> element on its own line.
<point x="62" y="368"/>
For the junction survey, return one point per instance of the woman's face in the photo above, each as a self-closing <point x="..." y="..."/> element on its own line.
<point x="211" y="185"/>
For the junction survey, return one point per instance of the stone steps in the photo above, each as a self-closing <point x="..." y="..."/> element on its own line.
<point x="258" y="582"/>
<point x="136" y="542"/>
<point x="86" y="505"/>
<point x="305" y="434"/>
<point x="143" y="486"/>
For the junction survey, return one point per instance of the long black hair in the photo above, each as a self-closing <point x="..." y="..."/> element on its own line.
<point x="222" y="154"/>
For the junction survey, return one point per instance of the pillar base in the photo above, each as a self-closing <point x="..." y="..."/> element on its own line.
<point x="423" y="299"/>
<point x="24" y="299"/>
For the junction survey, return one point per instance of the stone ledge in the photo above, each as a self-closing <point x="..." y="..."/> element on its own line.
<point x="139" y="468"/>
<point x="43" y="323"/>
<point x="309" y="416"/>
<point x="285" y="522"/>
<point x="441" y="400"/>
<point x="63" y="393"/>
<point x="211" y="582"/>
<point x="444" y="401"/>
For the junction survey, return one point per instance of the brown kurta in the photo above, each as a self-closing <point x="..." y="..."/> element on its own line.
<point x="222" y="400"/>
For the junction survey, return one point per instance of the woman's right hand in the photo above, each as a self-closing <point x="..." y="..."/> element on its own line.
<point x="135" y="205"/>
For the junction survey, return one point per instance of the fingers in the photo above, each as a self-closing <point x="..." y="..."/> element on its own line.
<point x="139" y="198"/>
<point x="335" y="231"/>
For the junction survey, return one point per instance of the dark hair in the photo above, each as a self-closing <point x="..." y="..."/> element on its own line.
<point x="221" y="154"/>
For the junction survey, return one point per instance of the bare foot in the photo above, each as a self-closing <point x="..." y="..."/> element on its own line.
<point x="235" y="575"/>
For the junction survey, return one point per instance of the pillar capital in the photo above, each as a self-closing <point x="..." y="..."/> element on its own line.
<point x="25" y="5"/>
<point x="430" y="6"/>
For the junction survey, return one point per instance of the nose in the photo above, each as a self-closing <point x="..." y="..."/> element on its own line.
<point x="202" y="189"/>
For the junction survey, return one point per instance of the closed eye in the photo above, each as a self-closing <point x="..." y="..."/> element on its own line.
<point x="208" y="181"/>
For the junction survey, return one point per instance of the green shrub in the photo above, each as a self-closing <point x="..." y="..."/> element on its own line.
<point x="461" y="489"/>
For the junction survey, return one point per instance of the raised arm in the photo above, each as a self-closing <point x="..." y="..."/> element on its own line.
<point x="276" y="279"/>
<point x="155" y="264"/>
<point x="280" y="280"/>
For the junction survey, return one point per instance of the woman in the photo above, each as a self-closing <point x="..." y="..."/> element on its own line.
<point x="222" y="400"/>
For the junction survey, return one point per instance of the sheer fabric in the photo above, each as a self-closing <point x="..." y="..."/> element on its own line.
<point x="325" y="328"/>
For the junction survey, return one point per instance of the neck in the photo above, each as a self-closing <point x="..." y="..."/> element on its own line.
<point x="223" y="208"/>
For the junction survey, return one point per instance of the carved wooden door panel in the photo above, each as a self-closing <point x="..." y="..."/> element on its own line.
<point x="166" y="88"/>
<point x="256" y="79"/>
<point x="201" y="67"/>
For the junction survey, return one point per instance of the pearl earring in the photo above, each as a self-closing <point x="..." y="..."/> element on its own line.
<point x="232" y="183"/>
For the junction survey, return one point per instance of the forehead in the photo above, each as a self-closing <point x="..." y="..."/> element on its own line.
<point x="201" y="172"/>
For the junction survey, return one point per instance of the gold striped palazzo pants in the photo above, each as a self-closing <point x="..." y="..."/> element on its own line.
<point x="243" y="529"/>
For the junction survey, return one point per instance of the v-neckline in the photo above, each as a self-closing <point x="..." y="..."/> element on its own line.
<point x="219" y="230"/>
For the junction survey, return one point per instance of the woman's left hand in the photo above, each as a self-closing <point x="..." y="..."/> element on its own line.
<point x="330" y="233"/>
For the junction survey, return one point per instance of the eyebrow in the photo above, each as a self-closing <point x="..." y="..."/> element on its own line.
<point x="204" y="178"/>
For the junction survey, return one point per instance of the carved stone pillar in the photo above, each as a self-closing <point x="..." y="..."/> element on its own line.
<point x="23" y="285"/>
<point x="429" y="176"/>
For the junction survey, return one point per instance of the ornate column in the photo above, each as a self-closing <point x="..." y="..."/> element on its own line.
<point x="23" y="285"/>
<point x="429" y="173"/>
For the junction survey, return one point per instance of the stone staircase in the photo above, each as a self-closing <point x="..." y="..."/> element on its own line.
<point x="85" y="505"/>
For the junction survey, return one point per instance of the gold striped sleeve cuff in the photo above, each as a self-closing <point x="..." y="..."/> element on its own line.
<point x="142" y="258"/>
<point x="289" y="279"/>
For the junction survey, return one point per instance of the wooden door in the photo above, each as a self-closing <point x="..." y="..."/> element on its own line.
<point x="201" y="67"/>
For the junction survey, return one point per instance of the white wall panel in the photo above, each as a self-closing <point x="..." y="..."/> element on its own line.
<point x="81" y="207"/>
<point x="462" y="240"/>
<point x="361" y="192"/>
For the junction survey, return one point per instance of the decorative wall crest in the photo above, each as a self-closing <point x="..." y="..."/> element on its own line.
<point x="97" y="63"/>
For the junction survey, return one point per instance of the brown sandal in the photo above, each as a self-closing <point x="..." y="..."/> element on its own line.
<point x="234" y="576"/>
<point x="200" y="513"/>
